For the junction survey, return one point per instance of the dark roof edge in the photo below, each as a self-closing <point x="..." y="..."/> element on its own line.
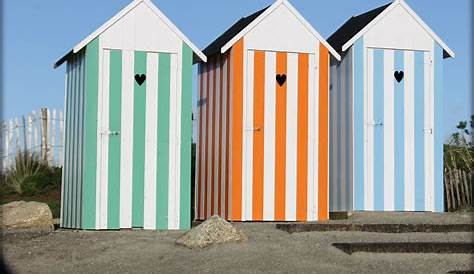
<point x="352" y="26"/>
<point x="215" y="46"/>
<point x="63" y="59"/>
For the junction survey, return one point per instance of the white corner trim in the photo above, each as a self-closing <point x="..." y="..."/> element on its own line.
<point x="124" y="12"/>
<point x="175" y="29"/>
<point x="269" y="11"/>
<point x="427" y="28"/>
<point x="369" y="26"/>
<point x="312" y="30"/>
<point x="412" y="13"/>
<point x="106" y="25"/>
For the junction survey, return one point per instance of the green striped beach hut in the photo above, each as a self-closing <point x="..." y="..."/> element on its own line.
<point x="128" y="105"/>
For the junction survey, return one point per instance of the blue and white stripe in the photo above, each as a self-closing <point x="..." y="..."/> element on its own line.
<point x="386" y="143"/>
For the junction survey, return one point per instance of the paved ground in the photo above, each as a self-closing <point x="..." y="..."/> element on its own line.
<point x="267" y="250"/>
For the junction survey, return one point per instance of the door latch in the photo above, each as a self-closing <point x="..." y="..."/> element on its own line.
<point x="379" y="124"/>
<point x="255" y="129"/>
<point x="109" y="133"/>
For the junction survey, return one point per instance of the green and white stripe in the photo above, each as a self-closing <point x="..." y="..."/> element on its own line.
<point x="138" y="139"/>
<point x="73" y="147"/>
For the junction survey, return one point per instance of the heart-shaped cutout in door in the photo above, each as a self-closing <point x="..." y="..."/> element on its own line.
<point x="398" y="76"/>
<point x="281" y="79"/>
<point x="140" y="79"/>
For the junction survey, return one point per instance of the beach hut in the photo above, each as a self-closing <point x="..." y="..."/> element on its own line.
<point x="127" y="160"/>
<point x="386" y="113"/>
<point x="262" y="149"/>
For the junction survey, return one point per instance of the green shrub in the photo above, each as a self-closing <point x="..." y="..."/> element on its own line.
<point x="4" y="189"/>
<point x="30" y="176"/>
<point x="55" y="177"/>
<point x="26" y="165"/>
<point x="459" y="167"/>
<point x="55" y="207"/>
<point x="35" y="184"/>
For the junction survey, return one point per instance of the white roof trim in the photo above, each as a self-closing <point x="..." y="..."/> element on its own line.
<point x="269" y="11"/>
<point x="176" y="30"/>
<point x="415" y="16"/>
<point x="126" y="10"/>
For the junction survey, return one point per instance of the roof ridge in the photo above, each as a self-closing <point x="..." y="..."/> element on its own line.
<point x="240" y="24"/>
<point x="352" y="26"/>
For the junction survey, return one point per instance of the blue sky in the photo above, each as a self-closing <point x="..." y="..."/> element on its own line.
<point x="37" y="32"/>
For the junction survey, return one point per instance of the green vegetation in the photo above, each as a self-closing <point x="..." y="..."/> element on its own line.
<point x="458" y="167"/>
<point x="55" y="206"/>
<point x="30" y="176"/>
<point x="31" y="179"/>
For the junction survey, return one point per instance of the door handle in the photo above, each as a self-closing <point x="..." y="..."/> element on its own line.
<point x="375" y="124"/>
<point x="254" y="129"/>
<point x="114" y="133"/>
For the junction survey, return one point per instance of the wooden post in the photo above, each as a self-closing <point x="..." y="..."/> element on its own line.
<point x="4" y="145"/>
<point x="461" y="188"/>
<point x="25" y="145"/>
<point x="28" y="131"/>
<point x="447" y="188"/>
<point x="34" y="124"/>
<point x="456" y="184"/>
<point x="53" y="136"/>
<point x="17" y="135"/>
<point x="49" y="138"/>
<point x="467" y="189"/>
<point x="44" y="134"/>
<point x="61" y="138"/>
<point x="9" y="142"/>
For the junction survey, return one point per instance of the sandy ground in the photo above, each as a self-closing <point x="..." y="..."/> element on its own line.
<point x="267" y="250"/>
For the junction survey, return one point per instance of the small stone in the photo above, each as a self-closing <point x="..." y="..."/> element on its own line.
<point x="215" y="230"/>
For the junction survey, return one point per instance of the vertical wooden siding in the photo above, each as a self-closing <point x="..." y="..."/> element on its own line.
<point x="241" y="149"/>
<point x="158" y="196"/>
<point x="340" y="123"/>
<point x="391" y="158"/>
<point x="71" y="207"/>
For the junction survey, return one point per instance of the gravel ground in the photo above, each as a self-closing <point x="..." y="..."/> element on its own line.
<point x="266" y="250"/>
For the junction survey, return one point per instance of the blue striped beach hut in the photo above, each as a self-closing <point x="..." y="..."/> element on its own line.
<point x="128" y="105"/>
<point x="386" y="121"/>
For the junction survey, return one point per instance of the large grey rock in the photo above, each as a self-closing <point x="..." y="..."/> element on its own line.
<point x="26" y="215"/>
<point x="212" y="231"/>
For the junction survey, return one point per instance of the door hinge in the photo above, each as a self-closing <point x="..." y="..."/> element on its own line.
<point x="429" y="130"/>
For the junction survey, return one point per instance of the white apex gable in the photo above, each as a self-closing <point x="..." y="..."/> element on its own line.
<point x="406" y="16"/>
<point x="276" y="9"/>
<point x="122" y="14"/>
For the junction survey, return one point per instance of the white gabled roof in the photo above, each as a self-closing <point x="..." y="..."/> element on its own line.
<point x="415" y="16"/>
<point x="269" y="11"/>
<point x="119" y="16"/>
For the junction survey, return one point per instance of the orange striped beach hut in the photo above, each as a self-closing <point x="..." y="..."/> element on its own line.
<point x="262" y="148"/>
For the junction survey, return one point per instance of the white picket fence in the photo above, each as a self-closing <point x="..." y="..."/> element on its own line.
<point x="40" y="132"/>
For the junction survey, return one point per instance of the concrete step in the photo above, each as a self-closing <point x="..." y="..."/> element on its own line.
<point x="407" y="247"/>
<point x="380" y="228"/>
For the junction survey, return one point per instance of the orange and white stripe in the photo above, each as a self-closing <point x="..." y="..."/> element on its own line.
<point x="263" y="147"/>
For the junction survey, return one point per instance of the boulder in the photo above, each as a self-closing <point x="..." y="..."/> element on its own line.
<point x="215" y="230"/>
<point x="26" y="215"/>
